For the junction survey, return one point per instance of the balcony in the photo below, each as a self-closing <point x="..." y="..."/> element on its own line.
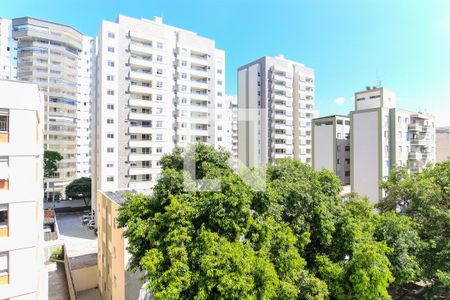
<point x="415" y="155"/>
<point x="202" y="72"/>
<point x="141" y="49"/>
<point x="420" y="142"/>
<point x="140" y="116"/>
<point x="427" y="128"/>
<point x="139" y="157"/>
<point x="141" y="76"/>
<point x="139" y="62"/>
<point x="141" y="129"/>
<point x="199" y="95"/>
<point x="200" y="84"/>
<point x="139" y="89"/>
<point x="414" y="127"/>
<point x="141" y="143"/>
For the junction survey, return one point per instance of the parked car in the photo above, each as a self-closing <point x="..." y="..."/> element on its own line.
<point x="91" y="224"/>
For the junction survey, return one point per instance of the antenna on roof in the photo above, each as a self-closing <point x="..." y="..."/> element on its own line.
<point x="378" y="80"/>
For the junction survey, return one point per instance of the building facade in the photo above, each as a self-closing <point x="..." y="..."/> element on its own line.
<point x="59" y="59"/>
<point x="442" y="144"/>
<point x="331" y="145"/>
<point x="383" y="136"/>
<point x="276" y="106"/>
<point x="115" y="281"/>
<point x="158" y="87"/>
<point x="22" y="274"/>
<point x="8" y="50"/>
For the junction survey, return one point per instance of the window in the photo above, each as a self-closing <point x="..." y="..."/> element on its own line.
<point x="184" y="63"/>
<point x="399" y="119"/>
<point x="3" y="220"/>
<point x="347" y="161"/>
<point x="400" y="149"/>
<point x="111" y="35"/>
<point x="110" y="135"/>
<point x="347" y="148"/>
<point x="219" y="71"/>
<point x="110" y="106"/>
<point x="110" y="77"/>
<point x="133" y="136"/>
<point x="133" y="150"/>
<point x="159" y="97"/>
<point x="133" y="177"/>
<point x="4" y="122"/>
<point x="159" y="124"/>
<point x="109" y="121"/>
<point x="339" y="135"/>
<point x="183" y="75"/>
<point x="111" y="49"/>
<point x="146" y="137"/>
<point x="110" y="149"/>
<point x="146" y="177"/>
<point x="4" y="268"/>
<point x="219" y="139"/>
<point x="184" y="100"/>
<point x="159" y="71"/>
<point x="219" y="104"/>
<point x="338" y="161"/>
<point x="159" y="45"/>
<point x="400" y="134"/>
<point x="159" y="150"/>
<point x="146" y="150"/>
<point x="110" y="178"/>
<point x="109" y="165"/>
<point x="219" y="82"/>
<point x="347" y="173"/>
<point x="159" y="137"/>
<point x="183" y="88"/>
<point x="110" y="92"/>
<point x="159" y="84"/>
<point x="159" y="58"/>
<point x="219" y="127"/>
<point x="219" y="93"/>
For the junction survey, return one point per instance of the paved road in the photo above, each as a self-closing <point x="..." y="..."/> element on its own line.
<point x="78" y="238"/>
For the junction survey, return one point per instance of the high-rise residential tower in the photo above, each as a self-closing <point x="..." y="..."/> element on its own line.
<point x="59" y="59"/>
<point x="158" y="87"/>
<point x="22" y="273"/>
<point x="331" y="145"/>
<point x="276" y="105"/>
<point x="383" y="136"/>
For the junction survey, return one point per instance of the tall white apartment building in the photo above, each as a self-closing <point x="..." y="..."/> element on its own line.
<point x="442" y="144"/>
<point x="383" y="136"/>
<point x="231" y="110"/>
<point x="158" y="87"/>
<point x="331" y="145"/>
<point x="276" y="96"/>
<point x="22" y="273"/>
<point x="58" y="58"/>
<point x="8" y="50"/>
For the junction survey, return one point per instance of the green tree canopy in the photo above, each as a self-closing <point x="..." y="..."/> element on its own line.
<point x="80" y="189"/>
<point x="424" y="200"/>
<point x="297" y="239"/>
<point x="51" y="159"/>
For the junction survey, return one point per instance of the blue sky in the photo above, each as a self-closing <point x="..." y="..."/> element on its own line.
<point x="349" y="43"/>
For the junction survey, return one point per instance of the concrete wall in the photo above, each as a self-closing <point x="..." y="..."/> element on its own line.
<point x="85" y="278"/>
<point x="442" y="146"/>
<point x="365" y="158"/>
<point x="323" y="147"/>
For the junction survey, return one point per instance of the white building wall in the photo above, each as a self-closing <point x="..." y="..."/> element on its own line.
<point x="23" y="151"/>
<point x="323" y="148"/>
<point x="8" y="51"/>
<point x="159" y="87"/>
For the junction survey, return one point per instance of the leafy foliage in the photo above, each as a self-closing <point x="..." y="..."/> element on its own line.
<point x="51" y="159"/>
<point x="297" y="239"/>
<point x="80" y="189"/>
<point x="423" y="232"/>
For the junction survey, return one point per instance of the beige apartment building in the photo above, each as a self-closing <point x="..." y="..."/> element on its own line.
<point x="22" y="274"/>
<point x="59" y="59"/>
<point x="115" y="281"/>
<point x="383" y="136"/>
<point x="158" y="87"/>
<point x="442" y="144"/>
<point x="331" y="145"/>
<point x="276" y="106"/>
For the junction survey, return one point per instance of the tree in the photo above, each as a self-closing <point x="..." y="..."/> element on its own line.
<point x="51" y="159"/>
<point x="423" y="199"/>
<point x="80" y="189"/>
<point x="297" y="239"/>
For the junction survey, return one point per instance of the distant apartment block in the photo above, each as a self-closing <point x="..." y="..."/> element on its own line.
<point x="158" y="87"/>
<point x="59" y="59"/>
<point x="331" y="145"/>
<point x="442" y="144"/>
<point x="383" y="136"/>
<point x="116" y="282"/>
<point x="231" y="110"/>
<point x="22" y="273"/>
<point x="8" y="50"/>
<point x="276" y="97"/>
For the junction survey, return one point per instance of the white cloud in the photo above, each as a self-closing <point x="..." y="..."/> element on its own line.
<point x="339" y="100"/>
